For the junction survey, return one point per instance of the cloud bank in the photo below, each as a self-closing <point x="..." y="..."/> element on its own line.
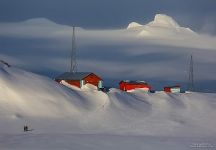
<point x="157" y="52"/>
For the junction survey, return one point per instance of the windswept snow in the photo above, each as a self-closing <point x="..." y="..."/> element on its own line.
<point x="29" y="98"/>
<point x="91" y="119"/>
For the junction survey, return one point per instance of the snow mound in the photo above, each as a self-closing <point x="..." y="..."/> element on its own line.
<point x="89" y="87"/>
<point x="26" y="94"/>
<point x="162" y="26"/>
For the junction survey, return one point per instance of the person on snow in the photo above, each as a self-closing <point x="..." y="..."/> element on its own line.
<point x="25" y="128"/>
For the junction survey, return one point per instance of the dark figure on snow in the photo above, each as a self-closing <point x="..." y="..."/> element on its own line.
<point x="25" y="128"/>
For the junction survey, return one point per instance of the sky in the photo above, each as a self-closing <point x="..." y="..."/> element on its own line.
<point x="36" y="36"/>
<point x="111" y="13"/>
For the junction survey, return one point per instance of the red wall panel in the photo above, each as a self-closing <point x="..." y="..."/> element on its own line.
<point x="128" y="86"/>
<point x="75" y="83"/>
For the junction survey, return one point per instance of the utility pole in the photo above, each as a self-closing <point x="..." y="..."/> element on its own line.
<point x="191" y="75"/>
<point x="73" y="67"/>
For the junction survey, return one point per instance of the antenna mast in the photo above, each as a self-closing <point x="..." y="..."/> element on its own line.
<point x="191" y="75"/>
<point x="73" y="67"/>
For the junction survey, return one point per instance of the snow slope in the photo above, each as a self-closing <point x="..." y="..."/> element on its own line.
<point x="27" y="98"/>
<point x="90" y="119"/>
<point x="162" y="26"/>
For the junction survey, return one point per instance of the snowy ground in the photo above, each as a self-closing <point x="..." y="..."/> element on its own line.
<point x="64" y="118"/>
<point x="102" y="142"/>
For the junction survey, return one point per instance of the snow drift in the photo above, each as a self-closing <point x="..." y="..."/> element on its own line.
<point x="50" y="107"/>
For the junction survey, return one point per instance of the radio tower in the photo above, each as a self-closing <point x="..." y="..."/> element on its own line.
<point x="191" y="75"/>
<point x="73" y="67"/>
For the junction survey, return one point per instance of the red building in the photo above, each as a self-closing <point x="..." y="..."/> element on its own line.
<point x="126" y="85"/>
<point x="172" y="89"/>
<point x="79" y="79"/>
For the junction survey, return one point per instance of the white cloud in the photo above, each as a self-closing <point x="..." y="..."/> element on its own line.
<point x="162" y="31"/>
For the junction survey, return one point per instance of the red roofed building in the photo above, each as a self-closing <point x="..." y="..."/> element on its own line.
<point x="127" y="85"/>
<point x="79" y="79"/>
<point x="172" y="89"/>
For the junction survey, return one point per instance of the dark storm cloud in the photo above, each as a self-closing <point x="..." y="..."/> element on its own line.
<point x="110" y="13"/>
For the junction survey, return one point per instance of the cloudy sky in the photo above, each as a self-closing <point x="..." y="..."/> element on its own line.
<point x="36" y="35"/>
<point x="197" y="14"/>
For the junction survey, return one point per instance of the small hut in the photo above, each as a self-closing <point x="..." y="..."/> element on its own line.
<point x="172" y="89"/>
<point x="126" y="85"/>
<point x="79" y="79"/>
